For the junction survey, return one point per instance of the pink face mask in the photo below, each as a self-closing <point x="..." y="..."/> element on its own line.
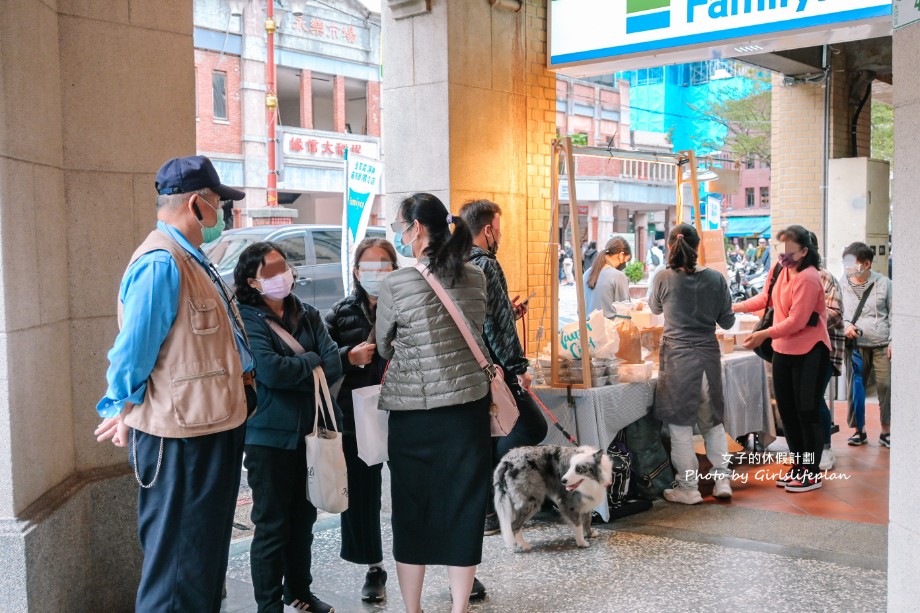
<point x="279" y="286"/>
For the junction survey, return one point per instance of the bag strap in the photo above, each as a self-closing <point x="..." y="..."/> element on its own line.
<point x="289" y="340"/>
<point x="321" y="392"/>
<point x="776" y="270"/>
<point x="862" y="303"/>
<point x="458" y="319"/>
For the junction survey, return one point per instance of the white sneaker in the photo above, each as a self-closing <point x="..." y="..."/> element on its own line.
<point x="683" y="495"/>
<point x="722" y="488"/>
<point x="827" y="460"/>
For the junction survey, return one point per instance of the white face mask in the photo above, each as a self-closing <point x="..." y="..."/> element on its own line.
<point x="279" y="286"/>
<point x="371" y="280"/>
<point x="852" y="268"/>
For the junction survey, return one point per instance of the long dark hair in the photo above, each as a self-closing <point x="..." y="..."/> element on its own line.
<point x="683" y="248"/>
<point x="247" y="267"/>
<point x="363" y="246"/>
<point x="802" y="237"/>
<point x="446" y="250"/>
<point x="615" y="245"/>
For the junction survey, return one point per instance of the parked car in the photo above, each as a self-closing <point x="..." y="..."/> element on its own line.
<point x="314" y="251"/>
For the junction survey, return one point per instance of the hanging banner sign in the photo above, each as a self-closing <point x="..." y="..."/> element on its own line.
<point x="362" y="183"/>
<point x="659" y="32"/>
<point x="905" y="12"/>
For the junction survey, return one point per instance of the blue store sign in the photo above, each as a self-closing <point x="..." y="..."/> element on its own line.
<point x="597" y="36"/>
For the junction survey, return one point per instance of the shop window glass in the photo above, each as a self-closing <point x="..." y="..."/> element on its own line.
<point x="219" y="94"/>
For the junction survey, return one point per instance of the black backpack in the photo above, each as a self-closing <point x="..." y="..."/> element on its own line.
<point x="655" y="259"/>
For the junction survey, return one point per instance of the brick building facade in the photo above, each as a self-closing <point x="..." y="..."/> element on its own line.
<point x="328" y="89"/>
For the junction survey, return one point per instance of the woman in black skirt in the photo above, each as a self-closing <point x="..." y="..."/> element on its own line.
<point x="350" y="324"/>
<point x="438" y="398"/>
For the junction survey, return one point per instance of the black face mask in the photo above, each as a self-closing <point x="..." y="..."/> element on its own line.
<point x="493" y="248"/>
<point x="621" y="266"/>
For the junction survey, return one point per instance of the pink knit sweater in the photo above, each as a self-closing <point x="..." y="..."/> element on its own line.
<point x="794" y="300"/>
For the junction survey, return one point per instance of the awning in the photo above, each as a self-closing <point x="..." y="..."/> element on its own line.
<point x="748" y="226"/>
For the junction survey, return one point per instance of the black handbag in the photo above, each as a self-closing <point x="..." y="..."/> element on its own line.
<point x="765" y="350"/>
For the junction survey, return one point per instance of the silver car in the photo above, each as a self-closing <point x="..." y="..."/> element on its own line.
<point x="314" y="251"/>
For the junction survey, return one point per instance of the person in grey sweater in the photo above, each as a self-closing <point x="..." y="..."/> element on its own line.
<point x="605" y="282"/>
<point x="871" y="332"/>
<point x="438" y="397"/>
<point x="689" y="391"/>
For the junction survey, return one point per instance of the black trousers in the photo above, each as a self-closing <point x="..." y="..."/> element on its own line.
<point x="797" y="386"/>
<point x="361" y="541"/>
<point x="184" y="521"/>
<point x="280" y="554"/>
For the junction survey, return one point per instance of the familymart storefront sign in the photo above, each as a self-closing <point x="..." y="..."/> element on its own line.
<point x="598" y="36"/>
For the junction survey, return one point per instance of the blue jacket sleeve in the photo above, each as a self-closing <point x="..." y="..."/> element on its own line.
<point x="150" y="297"/>
<point x="326" y="349"/>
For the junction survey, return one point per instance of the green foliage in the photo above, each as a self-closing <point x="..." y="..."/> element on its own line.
<point x="634" y="271"/>
<point x="746" y="116"/>
<point x="579" y="140"/>
<point x="882" y="131"/>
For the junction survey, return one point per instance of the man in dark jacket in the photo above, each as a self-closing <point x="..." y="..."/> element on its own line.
<point x="500" y="333"/>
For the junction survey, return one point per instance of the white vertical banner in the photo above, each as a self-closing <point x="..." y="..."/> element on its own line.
<point x="905" y="12"/>
<point x="362" y="183"/>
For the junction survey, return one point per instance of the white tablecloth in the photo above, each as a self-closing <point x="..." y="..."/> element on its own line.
<point x="599" y="413"/>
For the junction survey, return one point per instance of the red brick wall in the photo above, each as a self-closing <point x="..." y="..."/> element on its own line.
<point x="338" y="102"/>
<point x="271" y="221"/>
<point x="218" y="136"/>
<point x="373" y="108"/>
<point x="306" y="99"/>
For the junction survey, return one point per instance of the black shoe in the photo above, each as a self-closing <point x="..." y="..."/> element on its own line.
<point x="479" y="590"/>
<point x="375" y="589"/>
<point x="885" y="439"/>
<point x="806" y="482"/>
<point x="311" y="603"/>
<point x="492" y="526"/>
<point x="859" y="438"/>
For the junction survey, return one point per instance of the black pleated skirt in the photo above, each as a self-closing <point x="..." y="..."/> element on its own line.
<point x="440" y="467"/>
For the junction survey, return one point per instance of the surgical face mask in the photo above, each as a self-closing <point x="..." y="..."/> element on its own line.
<point x="213" y="233"/>
<point x="787" y="260"/>
<point x="370" y="280"/>
<point x="279" y="286"/>
<point x="404" y="249"/>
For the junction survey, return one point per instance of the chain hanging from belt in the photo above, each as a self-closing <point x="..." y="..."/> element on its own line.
<point x="137" y="474"/>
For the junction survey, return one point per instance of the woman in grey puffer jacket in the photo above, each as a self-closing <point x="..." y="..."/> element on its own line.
<point x="438" y="398"/>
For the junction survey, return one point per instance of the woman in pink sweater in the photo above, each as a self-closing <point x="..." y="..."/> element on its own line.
<point x="801" y="348"/>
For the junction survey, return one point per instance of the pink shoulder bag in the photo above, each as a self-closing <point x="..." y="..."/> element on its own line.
<point x="503" y="410"/>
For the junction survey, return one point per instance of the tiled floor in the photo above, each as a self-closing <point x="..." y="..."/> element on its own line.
<point x="715" y="556"/>
<point x="856" y="489"/>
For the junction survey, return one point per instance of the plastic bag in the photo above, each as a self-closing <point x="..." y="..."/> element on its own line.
<point x="630" y="350"/>
<point x="602" y="335"/>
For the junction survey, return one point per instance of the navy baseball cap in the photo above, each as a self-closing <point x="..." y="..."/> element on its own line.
<point x="184" y="175"/>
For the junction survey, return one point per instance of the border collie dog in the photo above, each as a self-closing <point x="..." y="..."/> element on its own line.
<point x="576" y="479"/>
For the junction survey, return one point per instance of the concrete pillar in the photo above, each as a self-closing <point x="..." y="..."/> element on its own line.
<point x="620" y="219"/>
<point x="469" y="112"/>
<point x="252" y="100"/>
<point x="904" y="514"/>
<point x="640" y="222"/>
<point x="94" y="99"/>
<point x="797" y="184"/>
<point x="306" y="99"/>
<point x="338" y="103"/>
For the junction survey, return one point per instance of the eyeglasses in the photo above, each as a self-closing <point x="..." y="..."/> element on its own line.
<point x="397" y="226"/>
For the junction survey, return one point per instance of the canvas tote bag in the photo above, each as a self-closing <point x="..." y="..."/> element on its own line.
<point x="327" y="476"/>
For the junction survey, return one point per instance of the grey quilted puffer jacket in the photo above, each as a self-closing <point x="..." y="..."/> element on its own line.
<point x="431" y="365"/>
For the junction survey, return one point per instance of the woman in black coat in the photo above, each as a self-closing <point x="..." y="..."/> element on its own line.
<point x="350" y="324"/>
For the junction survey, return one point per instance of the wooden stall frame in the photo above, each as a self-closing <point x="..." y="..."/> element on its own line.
<point x="563" y="150"/>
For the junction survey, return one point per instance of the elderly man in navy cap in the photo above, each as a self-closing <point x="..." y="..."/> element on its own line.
<point x="179" y="391"/>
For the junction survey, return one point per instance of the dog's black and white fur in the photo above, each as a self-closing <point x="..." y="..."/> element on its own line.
<point x="574" y="478"/>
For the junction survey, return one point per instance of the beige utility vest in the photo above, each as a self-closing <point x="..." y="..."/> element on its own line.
<point x="196" y="386"/>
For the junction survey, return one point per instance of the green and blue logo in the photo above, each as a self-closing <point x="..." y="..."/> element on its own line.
<point x="645" y="15"/>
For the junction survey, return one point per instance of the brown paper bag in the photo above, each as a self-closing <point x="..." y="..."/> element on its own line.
<point x="630" y="340"/>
